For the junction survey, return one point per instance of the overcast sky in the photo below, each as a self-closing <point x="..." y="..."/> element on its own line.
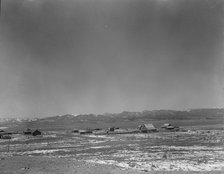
<point x="97" y="56"/>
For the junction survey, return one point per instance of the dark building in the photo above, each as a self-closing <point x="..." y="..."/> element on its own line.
<point x="75" y="131"/>
<point x="111" y="129"/>
<point x="36" y="132"/>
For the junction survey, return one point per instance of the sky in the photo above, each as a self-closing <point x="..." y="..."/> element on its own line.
<point x="98" y="56"/>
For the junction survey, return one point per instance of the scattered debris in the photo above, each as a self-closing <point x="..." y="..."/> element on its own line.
<point x="5" y="137"/>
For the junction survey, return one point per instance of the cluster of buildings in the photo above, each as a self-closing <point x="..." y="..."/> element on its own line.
<point x="7" y="134"/>
<point x="30" y="132"/>
<point x="143" y="128"/>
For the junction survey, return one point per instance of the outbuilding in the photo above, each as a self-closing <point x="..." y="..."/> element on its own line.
<point x="36" y="132"/>
<point x="85" y="131"/>
<point x="75" y="131"/>
<point x="27" y="132"/>
<point x="111" y="129"/>
<point x="170" y="127"/>
<point x="145" y="128"/>
<point x="165" y="125"/>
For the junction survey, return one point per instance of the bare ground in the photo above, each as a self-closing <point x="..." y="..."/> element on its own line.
<point x="45" y="165"/>
<point x="61" y="152"/>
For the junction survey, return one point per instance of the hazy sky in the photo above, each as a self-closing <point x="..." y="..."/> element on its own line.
<point x="96" y="56"/>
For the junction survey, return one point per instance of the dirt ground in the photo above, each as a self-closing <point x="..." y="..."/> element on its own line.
<point x="61" y="152"/>
<point x="45" y="165"/>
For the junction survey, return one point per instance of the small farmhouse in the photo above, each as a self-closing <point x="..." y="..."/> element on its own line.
<point x="145" y="128"/>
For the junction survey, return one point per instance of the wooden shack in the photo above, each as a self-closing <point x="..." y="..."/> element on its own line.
<point x="145" y="128"/>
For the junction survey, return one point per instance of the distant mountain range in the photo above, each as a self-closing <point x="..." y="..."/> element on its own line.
<point x="120" y="119"/>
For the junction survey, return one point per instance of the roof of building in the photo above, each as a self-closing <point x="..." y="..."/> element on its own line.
<point x="170" y="127"/>
<point x="150" y="126"/>
<point x="147" y="126"/>
<point x="165" y="125"/>
<point x="85" y="130"/>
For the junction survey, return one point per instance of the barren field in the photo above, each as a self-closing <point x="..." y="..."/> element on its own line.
<point x="196" y="150"/>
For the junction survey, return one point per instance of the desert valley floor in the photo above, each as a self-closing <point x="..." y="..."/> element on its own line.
<point x="198" y="149"/>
